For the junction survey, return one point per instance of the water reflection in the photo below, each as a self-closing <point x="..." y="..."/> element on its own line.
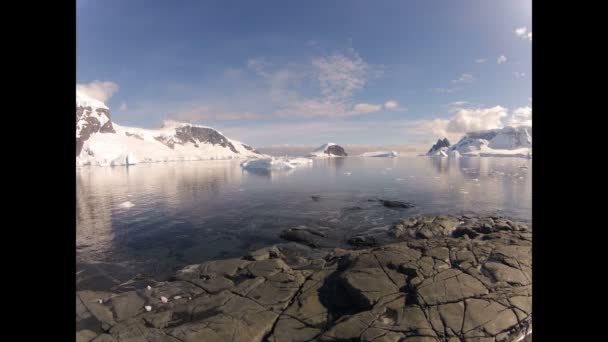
<point x="194" y="211"/>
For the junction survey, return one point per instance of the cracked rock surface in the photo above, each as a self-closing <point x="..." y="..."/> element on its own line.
<point x="441" y="278"/>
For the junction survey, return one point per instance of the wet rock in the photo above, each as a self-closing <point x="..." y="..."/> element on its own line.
<point x="362" y="241"/>
<point x="396" y="204"/>
<point x="308" y="236"/>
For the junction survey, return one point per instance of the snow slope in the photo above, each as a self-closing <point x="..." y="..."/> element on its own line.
<point x="102" y="142"/>
<point x="328" y="150"/>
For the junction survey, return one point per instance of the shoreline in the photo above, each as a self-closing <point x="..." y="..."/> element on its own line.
<point x="429" y="278"/>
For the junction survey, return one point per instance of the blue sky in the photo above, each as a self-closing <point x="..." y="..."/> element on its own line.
<point x="307" y="72"/>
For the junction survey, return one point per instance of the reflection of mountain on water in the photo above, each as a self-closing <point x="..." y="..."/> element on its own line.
<point x="336" y="163"/>
<point x="441" y="165"/>
<point x="93" y="216"/>
<point x="154" y="189"/>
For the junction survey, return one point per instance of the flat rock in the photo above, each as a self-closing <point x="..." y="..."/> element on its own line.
<point x="442" y="278"/>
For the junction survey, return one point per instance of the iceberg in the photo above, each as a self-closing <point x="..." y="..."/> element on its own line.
<point x="384" y="154"/>
<point x="274" y="163"/>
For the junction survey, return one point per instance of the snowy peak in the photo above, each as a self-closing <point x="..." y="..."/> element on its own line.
<point x="92" y="116"/>
<point x="328" y="150"/>
<point x="508" y="142"/>
<point x="99" y="141"/>
<point x="440" y="145"/>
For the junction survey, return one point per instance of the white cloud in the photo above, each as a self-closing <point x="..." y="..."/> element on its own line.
<point x="481" y="60"/>
<point x="501" y="59"/>
<point x="99" y="90"/>
<point x="467" y="119"/>
<point x="474" y="119"/>
<point x="521" y="116"/>
<point x="523" y="33"/>
<point x="336" y="77"/>
<point x="367" y="107"/>
<point x="340" y="75"/>
<point x="123" y="107"/>
<point x="391" y="104"/>
<point x="464" y="78"/>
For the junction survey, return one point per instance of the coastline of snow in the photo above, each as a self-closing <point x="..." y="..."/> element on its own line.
<point x="383" y="154"/>
<point x="136" y="145"/>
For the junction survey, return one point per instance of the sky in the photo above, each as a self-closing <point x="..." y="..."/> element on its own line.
<point x="308" y="72"/>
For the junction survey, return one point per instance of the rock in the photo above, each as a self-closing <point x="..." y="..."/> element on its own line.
<point x="307" y="236"/>
<point x="439" y="145"/>
<point x="85" y="335"/>
<point x="158" y="320"/>
<point x="127" y="305"/>
<point x="449" y="286"/>
<point x="423" y="227"/>
<point x="366" y="286"/>
<point x="264" y="254"/>
<point x="362" y="241"/>
<point x="396" y="204"/>
<point x="104" y="338"/>
<point x="430" y="285"/>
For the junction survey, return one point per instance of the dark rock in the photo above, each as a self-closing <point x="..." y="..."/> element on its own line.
<point x="438" y="288"/>
<point x="439" y="144"/>
<point x="307" y="236"/>
<point x="362" y="241"/>
<point x="396" y="204"/>
<point x="336" y="150"/>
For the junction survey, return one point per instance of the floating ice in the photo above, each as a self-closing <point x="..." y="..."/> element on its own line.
<point x="163" y="299"/>
<point x="126" y="205"/>
<point x="383" y="154"/>
<point x="274" y="163"/>
<point x="148" y="308"/>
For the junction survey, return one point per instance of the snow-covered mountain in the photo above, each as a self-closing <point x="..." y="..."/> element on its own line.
<point x="503" y="142"/>
<point x="440" y="148"/>
<point x="328" y="150"/>
<point x="99" y="141"/>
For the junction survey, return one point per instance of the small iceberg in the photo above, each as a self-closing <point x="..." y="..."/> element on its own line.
<point x="383" y="154"/>
<point x="126" y="205"/>
<point x="274" y="163"/>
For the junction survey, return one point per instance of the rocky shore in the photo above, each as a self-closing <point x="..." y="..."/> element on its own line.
<point x="429" y="278"/>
